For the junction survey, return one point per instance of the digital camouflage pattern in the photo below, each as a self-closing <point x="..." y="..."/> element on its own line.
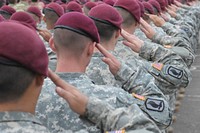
<point x="57" y="116"/>
<point x="20" y="122"/>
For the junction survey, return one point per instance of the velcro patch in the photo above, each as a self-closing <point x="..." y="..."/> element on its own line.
<point x="139" y="97"/>
<point x="157" y="66"/>
<point x="155" y="104"/>
<point x="168" y="46"/>
<point x="118" y="131"/>
<point x="175" y="72"/>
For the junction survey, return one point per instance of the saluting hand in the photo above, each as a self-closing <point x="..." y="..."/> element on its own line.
<point x="76" y="100"/>
<point x="147" y="29"/>
<point x="45" y="34"/>
<point x="171" y="13"/>
<point x="109" y="59"/>
<point x="158" y="21"/>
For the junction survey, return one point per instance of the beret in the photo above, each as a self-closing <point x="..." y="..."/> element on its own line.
<point x="90" y="5"/>
<point x="7" y="9"/>
<point x="24" y="17"/>
<point x="162" y="4"/>
<point x="109" y="2"/>
<point x="106" y="14"/>
<point x="73" y="6"/>
<point x="141" y="8"/>
<point x="71" y="21"/>
<point x="20" y="46"/>
<point x="56" y="8"/>
<point x="35" y="10"/>
<point x="131" y="6"/>
<point x="156" y="5"/>
<point x="148" y="7"/>
<point x="1" y="18"/>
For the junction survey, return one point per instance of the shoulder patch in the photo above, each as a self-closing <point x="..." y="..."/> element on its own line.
<point x="175" y="72"/>
<point x="117" y="131"/>
<point x="139" y="97"/>
<point x="157" y="66"/>
<point x="155" y="104"/>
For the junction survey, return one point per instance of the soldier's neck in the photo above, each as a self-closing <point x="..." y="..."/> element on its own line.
<point x="130" y="29"/>
<point x="70" y="66"/>
<point x="26" y="103"/>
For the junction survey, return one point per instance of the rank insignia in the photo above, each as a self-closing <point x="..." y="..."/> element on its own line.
<point x="155" y="104"/>
<point x="117" y="131"/>
<point x="157" y="66"/>
<point x="139" y="97"/>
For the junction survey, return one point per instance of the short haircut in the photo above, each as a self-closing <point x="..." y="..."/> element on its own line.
<point x="5" y="15"/>
<point x="12" y="1"/>
<point x="106" y="31"/>
<point x="70" y="41"/>
<point x="51" y="16"/>
<point x="14" y="82"/>
<point x="128" y="18"/>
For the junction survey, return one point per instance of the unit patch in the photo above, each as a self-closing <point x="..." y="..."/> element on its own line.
<point x="155" y="104"/>
<point x="175" y="72"/>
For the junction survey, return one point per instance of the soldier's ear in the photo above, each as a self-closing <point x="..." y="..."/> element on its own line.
<point x="91" y="48"/>
<point x="117" y="34"/>
<point x="52" y="45"/>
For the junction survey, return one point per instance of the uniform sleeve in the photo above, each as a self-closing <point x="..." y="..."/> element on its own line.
<point x="109" y="119"/>
<point x="166" y="66"/>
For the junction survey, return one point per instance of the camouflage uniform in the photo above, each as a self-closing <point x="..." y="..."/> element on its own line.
<point x="178" y="42"/>
<point x="57" y="116"/>
<point x="166" y="67"/>
<point x="114" y="118"/>
<point x="20" y="122"/>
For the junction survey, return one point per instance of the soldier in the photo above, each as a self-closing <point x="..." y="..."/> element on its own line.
<point x="19" y="93"/>
<point x="7" y="11"/>
<point x="87" y="6"/>
<point x="51" y="14"/>
<point x="73" y="7"/>
<point x="25" y="19"/>
<point x="35" y="12"/>
<point x="93" y="108"/>
<point x="73" y="57"/>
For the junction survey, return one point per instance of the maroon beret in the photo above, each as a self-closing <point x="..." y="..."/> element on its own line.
<point x="1" y="18"/>
<point x="156" y="5"/>
<point x="131" y="6"/>
<point x="73" y="6"/>
<point x="162" y="4"/>
<point x="56" y="8"/>
<point x="35" y="10"/>
<point x="109" y="2"/>
<point x="24" y="17"/>
<point x="106" y="14"/>
<point x="7" y="9"/>
<point x="90" y="5"/>
<point x="71" y="21"/>
<point x="21" y="46"/>
<point x="148" y="7"/>
<point x="141" y="8"/>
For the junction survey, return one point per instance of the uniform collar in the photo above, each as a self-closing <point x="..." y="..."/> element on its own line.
<point x="18" y="116"/>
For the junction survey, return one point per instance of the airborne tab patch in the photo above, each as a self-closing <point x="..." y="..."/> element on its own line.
<point x="155" y="104"/>
<point x="175" y="72"/>
<point x="118" y="131"/>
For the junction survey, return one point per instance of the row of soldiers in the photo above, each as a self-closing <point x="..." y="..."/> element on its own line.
<point x="115" y="66"/>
